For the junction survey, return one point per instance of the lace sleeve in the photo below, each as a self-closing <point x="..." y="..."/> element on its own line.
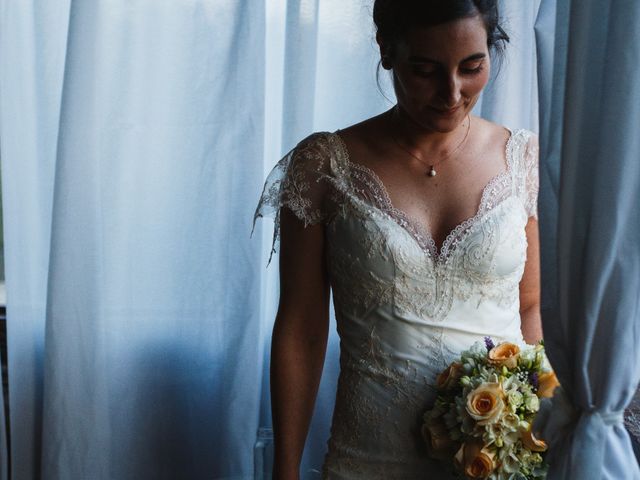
<point x="298" y="182"/>
<point x="531" y="176"/>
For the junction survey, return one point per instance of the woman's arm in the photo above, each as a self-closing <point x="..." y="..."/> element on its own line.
<point x="299" y="340"/>
<point x="530" y="287"/>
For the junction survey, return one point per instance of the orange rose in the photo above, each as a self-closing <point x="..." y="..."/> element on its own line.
<point x="475" y="460"/>
<point x="505" y="354"/>
<point x="449" y="378"/>
<point x="486" y="403"/>
<point x="547" y="383"/>
<point x="439" y="443"/>
<point x="532" y="443"/>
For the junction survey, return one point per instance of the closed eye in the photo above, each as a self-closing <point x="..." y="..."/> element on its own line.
<point x="474" y="68"/>
<point x="423" y="73"/>
<point x="473" y="71"/>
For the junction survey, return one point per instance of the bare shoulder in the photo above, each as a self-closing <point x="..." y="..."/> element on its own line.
<point x="367" y="140"/>
<point x="489" y="134"/>
<point x="365" y="129"/>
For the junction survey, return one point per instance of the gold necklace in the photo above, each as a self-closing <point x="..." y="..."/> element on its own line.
<point x="432" y="171"/>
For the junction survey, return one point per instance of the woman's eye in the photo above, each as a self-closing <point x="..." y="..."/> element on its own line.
<point x="474" y="69"/>
<point x="423" y="72"/>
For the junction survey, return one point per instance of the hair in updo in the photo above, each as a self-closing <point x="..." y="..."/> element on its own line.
<point x="394" y="19"/>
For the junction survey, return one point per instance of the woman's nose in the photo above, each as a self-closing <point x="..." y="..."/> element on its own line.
<point x="451" y="94"/>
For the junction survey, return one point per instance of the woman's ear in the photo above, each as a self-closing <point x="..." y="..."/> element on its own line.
<point x="385" y="53"/>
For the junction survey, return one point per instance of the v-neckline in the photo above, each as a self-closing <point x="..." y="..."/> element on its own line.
<point x="416" y="229"/>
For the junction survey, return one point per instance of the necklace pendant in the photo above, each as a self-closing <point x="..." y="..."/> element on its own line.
<point x="432" y="172"/>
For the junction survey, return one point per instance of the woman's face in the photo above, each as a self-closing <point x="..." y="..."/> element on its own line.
<point x="440" y="71"/>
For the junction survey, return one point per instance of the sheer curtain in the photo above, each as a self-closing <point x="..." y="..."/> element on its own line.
<point x="590" y="153"/>
<point x="134" y="139"/>
<point x="33" y="41"/>
<point x="132" y="147"/>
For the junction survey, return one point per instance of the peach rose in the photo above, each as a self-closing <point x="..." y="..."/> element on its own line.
<point x="486" y="403"/>
<point x="547" y="383"/>
<point x="532" y="443"/>
<point x="439" y="443"/>
<point x="475" y="460"/>
<point x="505" y="354"/>
<point x="450" y="377"/>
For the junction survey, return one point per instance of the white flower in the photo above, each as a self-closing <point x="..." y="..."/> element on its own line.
<point x="514" y="399"/>
<point x="510" y="463"/>
<point x="545" y="365"/>
<point x="509" y="439"/>
<point x="524" y="425"/>
<point x="510" y="422"/>
<point x="527" y="356"/>
<point x="532" y="403"/>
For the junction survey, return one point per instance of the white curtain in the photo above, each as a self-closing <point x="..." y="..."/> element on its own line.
<point x="33" y="42"/>
<point x="133" y="290"/>
<point x="134" y="136"/>
<point x="591" y="167"/>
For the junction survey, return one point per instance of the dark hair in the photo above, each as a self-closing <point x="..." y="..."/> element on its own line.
<point x="394" y="18"/>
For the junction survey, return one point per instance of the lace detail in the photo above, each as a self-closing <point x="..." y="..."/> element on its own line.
<point x="527" y="180"/>
<point x="299" y="183"/>
<point x="369" y="186"/>
<point x="409" y="388"/>
<point x="427" y="289"/>
<point x="356" y="289"/>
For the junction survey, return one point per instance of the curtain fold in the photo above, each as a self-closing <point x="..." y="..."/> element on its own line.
<point x="153" y="365"/>
<point x="591" y="159"/>
<point x="152" y="368"/>
<point x="551" y="81"/>
<point x="33" y="38"/>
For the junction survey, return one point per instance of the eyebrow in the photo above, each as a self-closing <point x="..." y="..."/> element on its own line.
<point x="419" y="59"/>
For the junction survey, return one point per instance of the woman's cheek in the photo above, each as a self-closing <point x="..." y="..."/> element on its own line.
<point x="481" y="80"/>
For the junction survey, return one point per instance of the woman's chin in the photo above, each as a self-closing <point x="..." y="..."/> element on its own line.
<point x="443" y="125"/>
<point x="434" y="120"/>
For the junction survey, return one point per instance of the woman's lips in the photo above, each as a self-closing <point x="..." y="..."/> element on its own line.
<point x="446" y="113"/>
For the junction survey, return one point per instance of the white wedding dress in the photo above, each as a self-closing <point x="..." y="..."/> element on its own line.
<point x="404" y="310"/>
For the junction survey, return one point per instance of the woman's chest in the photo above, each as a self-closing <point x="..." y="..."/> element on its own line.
<point x="491" y="243"/>
<point x="379" y="256"/>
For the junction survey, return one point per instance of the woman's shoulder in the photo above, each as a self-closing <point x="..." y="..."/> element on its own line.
<point x="313" y="152"/>
<point x="521" y="149"/>
<point x="366" y="142"/>
<point x="497" y="133"/>
<point x="519" y="144"/>
<point x="358" y="139"/>
<point x="364" y="133"/>
<point x="315" y="140"/>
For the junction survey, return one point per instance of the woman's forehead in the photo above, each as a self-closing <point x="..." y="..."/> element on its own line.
<point x="460" y="38"/>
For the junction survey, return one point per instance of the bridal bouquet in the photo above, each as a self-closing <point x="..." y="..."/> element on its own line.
<point x="483" y="414"/>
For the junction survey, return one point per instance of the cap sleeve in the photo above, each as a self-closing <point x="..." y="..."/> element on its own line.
<point x="531" y="176"/>
<point x="299" y="182"/>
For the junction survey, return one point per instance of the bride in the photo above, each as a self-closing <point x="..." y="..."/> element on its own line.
<point x="422" y="222"/>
